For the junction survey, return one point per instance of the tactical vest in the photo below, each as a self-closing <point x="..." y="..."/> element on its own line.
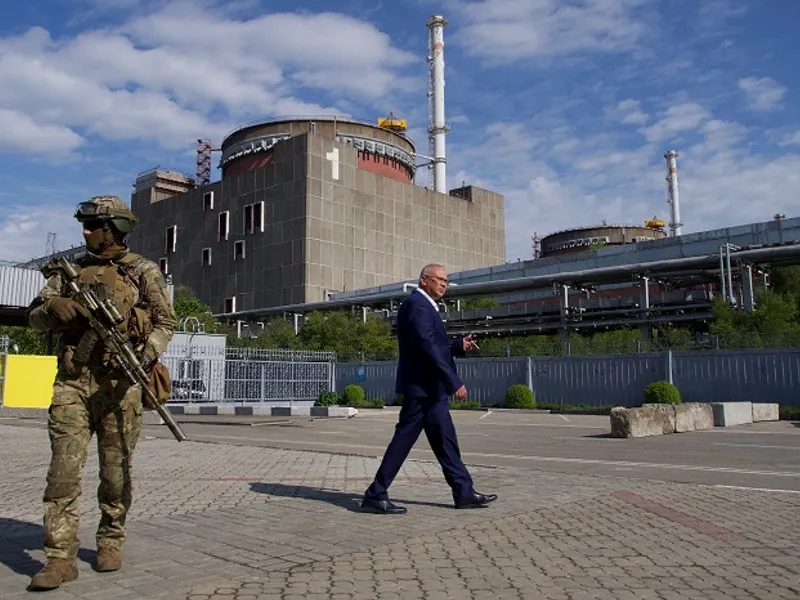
<point x="117" y="282"/>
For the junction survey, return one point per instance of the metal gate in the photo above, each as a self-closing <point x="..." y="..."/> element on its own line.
<point x="216" y="374"/>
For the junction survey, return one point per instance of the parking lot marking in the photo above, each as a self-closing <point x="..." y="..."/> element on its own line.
<point x="619" y="463"/>
<point x="757" y="446"/>
<point x="756" y="489"/>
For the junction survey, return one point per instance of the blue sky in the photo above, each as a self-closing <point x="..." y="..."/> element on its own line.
<point x="565" y="107"/>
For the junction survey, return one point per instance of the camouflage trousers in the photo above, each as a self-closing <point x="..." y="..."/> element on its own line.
<point x="82" y="405"/>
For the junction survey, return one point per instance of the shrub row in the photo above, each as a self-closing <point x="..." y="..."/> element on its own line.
<point x="353" y="395"/>
<point x="521" y="396"/>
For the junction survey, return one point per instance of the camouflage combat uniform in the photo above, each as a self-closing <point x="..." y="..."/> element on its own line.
<point x="89" y="397"/>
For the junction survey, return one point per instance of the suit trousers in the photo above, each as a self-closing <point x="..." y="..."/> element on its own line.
<point x="432" y="415"/>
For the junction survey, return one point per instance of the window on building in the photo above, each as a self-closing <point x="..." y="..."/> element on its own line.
<point x="254" y="218"/>
<point x="224" y="226"/>
<point x="238" y="249"/>
<point x="208" y="201"/>
<point x="171" y="239"/>
<point x="206" y="257"/>
<point x="258" y="216"/>
<point x="230" y="305"/>
<point x="163" y="265"/>
<point x="248" y="219"/>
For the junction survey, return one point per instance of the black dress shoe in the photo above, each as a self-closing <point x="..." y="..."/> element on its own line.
<point x="476" y="500"/>
<point x="385" y="507"/>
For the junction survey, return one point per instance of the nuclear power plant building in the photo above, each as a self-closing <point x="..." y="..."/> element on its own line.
<point x="306" y="208"/>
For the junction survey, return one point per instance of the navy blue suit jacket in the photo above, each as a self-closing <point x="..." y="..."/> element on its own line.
<point x="426" y="368"/>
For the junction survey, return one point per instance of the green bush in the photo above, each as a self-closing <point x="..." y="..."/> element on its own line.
<point x="363" y="403"/>
<point x="661" y="392"/>
<point x="789" y="413"/>
<point x="327" y="399"/>
<point x="398" y="400"/>
<point x="463" y="405"/>
<point x="520" y="396"/>
<point x="353" y="394"/>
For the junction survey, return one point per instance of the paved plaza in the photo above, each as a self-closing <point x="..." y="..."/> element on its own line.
<point x="268" y="509"/>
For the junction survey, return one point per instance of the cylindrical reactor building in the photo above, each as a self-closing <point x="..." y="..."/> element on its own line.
<point x="380" y="150"/>
<point x="571" y="241"/>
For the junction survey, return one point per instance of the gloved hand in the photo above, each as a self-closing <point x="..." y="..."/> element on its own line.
<point x="66" y="310"/>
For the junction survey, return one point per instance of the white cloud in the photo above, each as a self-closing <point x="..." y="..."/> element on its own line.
<point x="628" y="112"/>
<point x="189" y="71"/>
<point x="24" y="229"/>
<point x="792" y="139"/>
<point x="678" y="118"/>
<point x="763" y="93"/>
<point x="20" y="133"/>
<point x="593" y="178"/>
<point x="501" y="30"/>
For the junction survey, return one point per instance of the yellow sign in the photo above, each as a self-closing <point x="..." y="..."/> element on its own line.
<point x="29" y="381"/>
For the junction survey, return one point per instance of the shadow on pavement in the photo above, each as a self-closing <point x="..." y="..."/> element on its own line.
<point x="347" y="500"/>
<point x="18" y="537"/>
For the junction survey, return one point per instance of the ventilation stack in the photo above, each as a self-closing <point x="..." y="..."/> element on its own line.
<point x="672" y="193"/>
<point x="438" y="128"/>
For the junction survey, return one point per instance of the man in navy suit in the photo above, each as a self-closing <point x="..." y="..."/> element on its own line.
<point x="426" y="376"/>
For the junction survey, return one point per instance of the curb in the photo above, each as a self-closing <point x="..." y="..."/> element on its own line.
<point x="263" y="411"/>
<point x="151" y="417"/>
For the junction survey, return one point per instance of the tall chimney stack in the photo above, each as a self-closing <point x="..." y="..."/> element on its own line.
<point x="438" y="128"/>
<point x="672" y="191"/>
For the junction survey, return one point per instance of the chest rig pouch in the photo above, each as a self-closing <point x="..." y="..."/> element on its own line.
<point x="116" y="283"/>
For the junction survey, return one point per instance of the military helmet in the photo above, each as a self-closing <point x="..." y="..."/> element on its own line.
<point x="108" y="208"/>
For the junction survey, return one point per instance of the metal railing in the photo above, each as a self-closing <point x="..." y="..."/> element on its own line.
<point x="211" y="374"/>
<point x="764" y="375"/>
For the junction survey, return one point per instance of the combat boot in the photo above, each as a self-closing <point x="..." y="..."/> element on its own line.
<point x="54" y="573"/>
<point x="108" y="559"/>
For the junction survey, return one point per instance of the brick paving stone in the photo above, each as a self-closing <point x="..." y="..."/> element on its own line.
<point x="213" y="522"/>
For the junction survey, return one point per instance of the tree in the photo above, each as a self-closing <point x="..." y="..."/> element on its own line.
<point x="479" y="303"/>
<point x="186" y="304"/>
<point x="26" y="339"/>
<point x="773" y="323"/>
<point x="337" y="331"/>
<point x="278" y="333"/>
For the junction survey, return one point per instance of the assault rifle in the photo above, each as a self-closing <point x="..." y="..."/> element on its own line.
<point x="104" y="318"/>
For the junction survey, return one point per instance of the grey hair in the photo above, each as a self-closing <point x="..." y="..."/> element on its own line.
<point x="430" y="266"/>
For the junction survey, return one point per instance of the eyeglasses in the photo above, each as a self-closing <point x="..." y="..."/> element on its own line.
<point x="442" y="279"/>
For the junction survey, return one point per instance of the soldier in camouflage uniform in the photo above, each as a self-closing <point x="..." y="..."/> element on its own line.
<point x="89" y="395"/>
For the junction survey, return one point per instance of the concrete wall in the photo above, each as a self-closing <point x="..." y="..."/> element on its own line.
<point x="271" y="272"/>
<point x="328" y="226"/>
<point x="366" y="230"/>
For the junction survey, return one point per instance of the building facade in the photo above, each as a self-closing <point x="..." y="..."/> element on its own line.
<point x="308" y="208"/>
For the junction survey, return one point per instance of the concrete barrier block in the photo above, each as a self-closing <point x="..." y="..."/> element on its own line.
<point x="693" y="416"/>
<point x="763" y="411"/>
<point x="151" y="417"/>
<point x="642" y="421"/>
<point x="727" y="414"/>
